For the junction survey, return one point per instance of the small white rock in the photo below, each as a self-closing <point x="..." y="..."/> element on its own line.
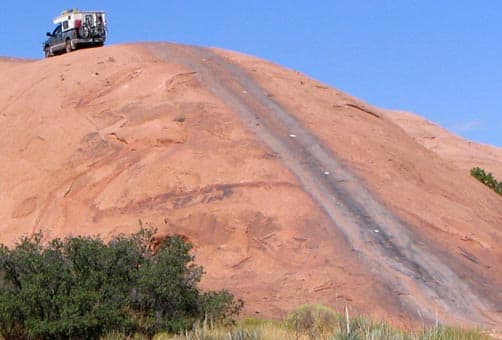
<point x="376" y="231"/>
<point x="292" y="136"/>
<point x="326" y="173"/>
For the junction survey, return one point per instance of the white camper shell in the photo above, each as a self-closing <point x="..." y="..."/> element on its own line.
<point x="74" y="19"/>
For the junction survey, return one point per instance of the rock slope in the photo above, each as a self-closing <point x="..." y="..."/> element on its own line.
<point x="291" y="191"/>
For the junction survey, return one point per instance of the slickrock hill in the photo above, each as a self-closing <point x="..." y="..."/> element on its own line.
<point x="464" y="154"/>
<point x="291" y="191"/>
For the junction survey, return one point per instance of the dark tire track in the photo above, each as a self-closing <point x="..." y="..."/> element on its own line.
<point x="407" y="265"/>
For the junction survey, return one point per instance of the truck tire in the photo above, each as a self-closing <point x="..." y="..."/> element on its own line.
<point x="47" y="51"/>
<point x="68" y="46"/>
<point x="84" y="31"/>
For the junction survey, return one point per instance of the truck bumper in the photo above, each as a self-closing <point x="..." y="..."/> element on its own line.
<point x="87" y="42"/>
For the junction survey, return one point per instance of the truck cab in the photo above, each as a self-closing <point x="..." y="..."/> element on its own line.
<point x="76" y="29"/>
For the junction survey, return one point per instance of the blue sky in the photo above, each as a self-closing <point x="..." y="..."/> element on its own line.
<point x="441" y="59"/>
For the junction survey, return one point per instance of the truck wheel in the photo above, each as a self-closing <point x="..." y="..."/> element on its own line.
<point x="48" y="52"/>
<point x="68" y="46"/>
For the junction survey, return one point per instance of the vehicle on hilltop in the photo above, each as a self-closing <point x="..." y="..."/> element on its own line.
<point x="76" y="29"/>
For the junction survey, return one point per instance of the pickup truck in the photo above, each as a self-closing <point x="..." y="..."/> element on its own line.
<point x="75" y="29"/>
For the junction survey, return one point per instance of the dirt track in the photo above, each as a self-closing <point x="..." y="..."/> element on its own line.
<point x="409" y="267"/>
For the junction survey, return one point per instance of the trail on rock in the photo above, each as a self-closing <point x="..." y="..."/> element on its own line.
<point x="408" y="266"/>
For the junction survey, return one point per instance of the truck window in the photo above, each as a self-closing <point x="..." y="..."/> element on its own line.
<point x="89" y="20"/>
<point x="57" y="30"/>
<point x="65" y="25"/>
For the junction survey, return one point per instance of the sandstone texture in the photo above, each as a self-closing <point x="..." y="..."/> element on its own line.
<point x="291" y="191"/>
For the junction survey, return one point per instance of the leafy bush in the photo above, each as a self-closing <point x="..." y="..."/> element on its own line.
<point x="220" y="306"/>
<point x="487" y="179"/>
<point x="81" y="287"/>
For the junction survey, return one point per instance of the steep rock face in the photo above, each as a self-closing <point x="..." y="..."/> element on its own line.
<point x="291" y="191"/>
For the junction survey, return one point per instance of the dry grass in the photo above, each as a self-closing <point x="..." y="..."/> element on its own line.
<point x="316" y="322"/>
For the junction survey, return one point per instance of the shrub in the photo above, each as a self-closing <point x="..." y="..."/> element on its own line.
<point x="316" y="320"/>
<point x="487" y="179"/>
<point x="218" y="307"/>
<point x="81" y="287"/>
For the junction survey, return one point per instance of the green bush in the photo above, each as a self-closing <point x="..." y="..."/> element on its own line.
<point x="487" y="179"/>
<point x="81" y="287"/>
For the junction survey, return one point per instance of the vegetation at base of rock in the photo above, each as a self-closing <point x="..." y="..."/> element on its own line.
<point x="311" y="322"/>
<point x="487" y="179"/>
<point x="84" y="288"/>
